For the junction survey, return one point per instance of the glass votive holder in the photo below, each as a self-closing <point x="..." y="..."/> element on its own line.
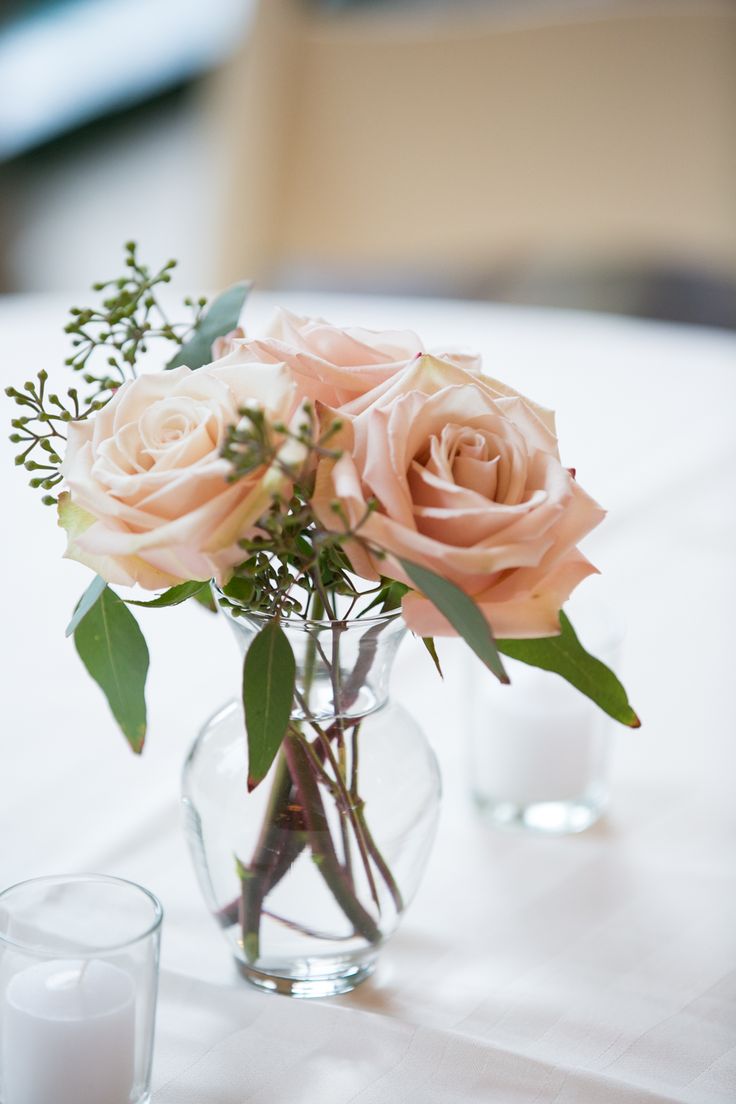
<point x="78" y="984"/>
<point x="539" y="750"/>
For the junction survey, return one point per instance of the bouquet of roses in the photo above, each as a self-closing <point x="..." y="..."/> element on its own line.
<point x="309" y="473"/>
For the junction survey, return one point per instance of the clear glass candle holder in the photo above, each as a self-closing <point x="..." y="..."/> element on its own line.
<point x="79" y="962"/>
<point x="539" y="751"/>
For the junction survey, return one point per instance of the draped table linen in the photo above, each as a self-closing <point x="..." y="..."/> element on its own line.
<point x="593" y="969"/>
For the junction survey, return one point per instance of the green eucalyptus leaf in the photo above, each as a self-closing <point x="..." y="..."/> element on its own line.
<point x="112" y="648"/>
<point x="174" y="596"/>
<point x="221" y="317"/>
<point x="462" y="613"/>
<point x="206" y="599"/>
<point x="85" y="603"/>
<point x="565" y="655"/>
<point x="388" y="597"/>
<point x="269" y="675"/>
<point x="431" y="647"/>
<point x="240" y="589"/>
<point x="394" y="594"/>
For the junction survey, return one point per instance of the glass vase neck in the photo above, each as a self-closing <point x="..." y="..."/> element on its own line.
<point x="343" y="667"/>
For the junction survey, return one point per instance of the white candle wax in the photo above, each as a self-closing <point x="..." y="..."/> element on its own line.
<point x="68" y="1031"/>
<point x="530" y="757"/>
<point x="538" y="740"/>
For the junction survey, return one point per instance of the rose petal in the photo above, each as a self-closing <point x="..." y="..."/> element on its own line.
<point x="533" y="615"/>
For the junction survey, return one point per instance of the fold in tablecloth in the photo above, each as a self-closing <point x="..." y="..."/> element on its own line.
<point x="320" y="1054"/>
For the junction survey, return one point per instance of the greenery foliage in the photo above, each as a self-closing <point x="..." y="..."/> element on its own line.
<point x="293" y="567"/>
<point x="114" y="651"/>
<point x="108" y="340"/>
<point x="566" y="656"/>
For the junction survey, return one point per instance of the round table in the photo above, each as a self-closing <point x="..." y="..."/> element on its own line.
<point x="593" y="968"/>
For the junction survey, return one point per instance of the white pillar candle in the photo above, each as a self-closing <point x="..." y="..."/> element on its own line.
<point x="68" y="1031"/>
<point x="543" y="749"/>
<point x="538" y="740"/>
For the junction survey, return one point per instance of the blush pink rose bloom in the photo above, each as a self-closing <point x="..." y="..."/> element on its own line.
<point x="334" y="366"/>
<point x="148" y="500"/>
<point x="469" y="483"/>
<point x="226" y="344"/>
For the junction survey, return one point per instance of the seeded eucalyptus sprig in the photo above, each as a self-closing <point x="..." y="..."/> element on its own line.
<point x="254" y="442"/>
<point x="119" y="330"/>
<point x="129" y="317"/>
<point x="40" y="430"/>
<point x="293" y="560"/>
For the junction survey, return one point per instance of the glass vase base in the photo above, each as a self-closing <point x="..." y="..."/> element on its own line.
<point x="550" y="818"/>
<point x="317" y="986"/>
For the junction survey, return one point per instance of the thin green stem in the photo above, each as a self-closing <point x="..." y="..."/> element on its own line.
<point x="339" y="791"/>
<point x="378" y="859"/>
<point x="310" y="658"/>
<point x="320" y="839"/>
<point x="320" y="588"/>
<point x="359" y="805"/>
<point x="348" y="810"/>
<point x="354" y="762"/>
<point x="254" y="879"/>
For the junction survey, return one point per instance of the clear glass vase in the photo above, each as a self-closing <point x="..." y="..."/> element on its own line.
<point x="310" y="873"/>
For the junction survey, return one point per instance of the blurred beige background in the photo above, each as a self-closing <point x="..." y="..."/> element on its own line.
<point x="578" y="153"/>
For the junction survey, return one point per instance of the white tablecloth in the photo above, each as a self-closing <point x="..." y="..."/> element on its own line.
<point x="595" y="968"/>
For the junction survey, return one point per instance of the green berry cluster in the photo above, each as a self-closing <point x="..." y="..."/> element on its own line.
<point x="39" y="429"/>
<point x="119" y="330"/>
<point x="121" y="327"/>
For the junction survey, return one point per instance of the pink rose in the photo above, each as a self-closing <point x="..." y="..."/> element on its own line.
<point x="221" y="346"/>
<point x="469" y="483"/>
<point x="335" y="366"/>
<point x="149" y="501"/>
